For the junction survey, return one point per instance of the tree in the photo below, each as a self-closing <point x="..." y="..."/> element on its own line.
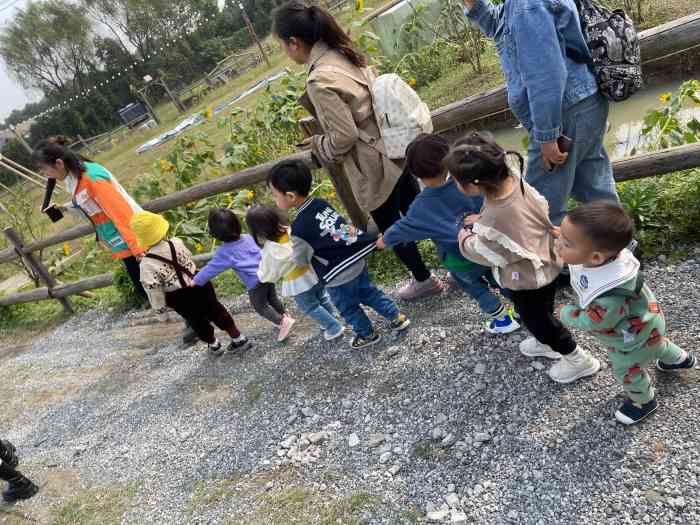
<point x="48" y="46"/>
<point x="15" y="151"/>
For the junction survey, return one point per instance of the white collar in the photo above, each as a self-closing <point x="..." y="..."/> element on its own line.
<point x="591" y="283"/>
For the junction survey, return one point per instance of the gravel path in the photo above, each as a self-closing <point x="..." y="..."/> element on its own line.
<point x="121" y="425"/>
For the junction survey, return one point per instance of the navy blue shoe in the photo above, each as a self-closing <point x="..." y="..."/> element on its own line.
<point x="689" y="362"/>
<point x="629" y="414"/>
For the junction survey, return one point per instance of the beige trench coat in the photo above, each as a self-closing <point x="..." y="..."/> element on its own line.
<point x="337" y="95"/>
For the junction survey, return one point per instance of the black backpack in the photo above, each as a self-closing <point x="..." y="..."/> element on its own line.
<point x="614" y="46"/>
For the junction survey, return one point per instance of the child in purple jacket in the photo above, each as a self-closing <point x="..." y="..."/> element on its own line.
<point x="241" y="253"/>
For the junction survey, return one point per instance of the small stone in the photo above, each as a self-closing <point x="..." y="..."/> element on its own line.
<point x="384" y="449"/>
<point x="281" y="453"/>
<point x="537" y="365"/>
<point x="678" y="503"/>
<point x="451" y="488"/>
<point x="513" y="515"/>
<point x="458" y="517"/>
<point x="438" y="515"/>
<point x="347" y="404"/>
<point x="452" y="500"/>
<point x="269" y="485"/>
<point x="480" y="368"/>
<point x="437" y="433"/>
<point x="353" y="440"/>
<point x="375" y="440"/>
<point x="384" y="458"/>
<point x="394" y="470"/>
<point x="317" y="437"/>
<point x="392" y="351"/>
<point x="448" y="441"/>
<point x="397" y="450"/>
<point x="481" y="437"/>
<point x="307" y="412"/>
<point x="441" y="419"/>
<point x="538" y="475"/>
<point x="287" y="443"/>
<point x="303" y="444"/>
<point x="291" y="419"/>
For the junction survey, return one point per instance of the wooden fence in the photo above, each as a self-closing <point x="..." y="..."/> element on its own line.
<point x="668" y="39"/>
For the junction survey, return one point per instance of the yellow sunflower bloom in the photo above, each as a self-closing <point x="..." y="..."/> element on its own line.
<point x="199" y="247"/>
<point x="665" y="97"/>
<point x="412" y="82"/>
<point x="66" y="249"/>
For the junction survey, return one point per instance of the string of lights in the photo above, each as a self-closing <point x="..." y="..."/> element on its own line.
<point x="116" y="76"/>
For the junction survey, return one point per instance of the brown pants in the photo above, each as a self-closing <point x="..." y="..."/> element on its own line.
<point x="200" y="308"/>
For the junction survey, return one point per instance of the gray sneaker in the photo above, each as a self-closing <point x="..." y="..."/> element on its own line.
<point x="417" y="290"/>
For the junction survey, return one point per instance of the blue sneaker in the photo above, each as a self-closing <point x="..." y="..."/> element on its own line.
<point x="629" y="414"/>
<point x="503" y="324"/>
<point x="688" y="362"/>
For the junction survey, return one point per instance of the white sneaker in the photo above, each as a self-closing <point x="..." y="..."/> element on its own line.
<point x="285" y="328"/>
<point x="531" y="347"/>
<point x="573" y="366"/>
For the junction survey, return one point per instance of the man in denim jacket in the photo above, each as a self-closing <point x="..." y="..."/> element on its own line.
<point x="551" y="95"/>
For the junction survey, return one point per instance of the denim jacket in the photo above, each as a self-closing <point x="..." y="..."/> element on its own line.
<point x="532" y="37"/>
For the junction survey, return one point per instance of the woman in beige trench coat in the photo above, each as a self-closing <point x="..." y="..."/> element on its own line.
<point x="338" y="95"/>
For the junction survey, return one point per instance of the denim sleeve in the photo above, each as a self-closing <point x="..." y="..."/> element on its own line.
<point x="217" y="265"/>
<point x="486" y="15"/>
<point x="542" y="67"/>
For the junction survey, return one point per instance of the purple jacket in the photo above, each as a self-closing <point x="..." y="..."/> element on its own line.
<point x="242" y="256"/>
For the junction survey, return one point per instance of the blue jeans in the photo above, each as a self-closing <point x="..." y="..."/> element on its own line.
<point x="476" y="285"/>
<point x="349" y="297"/>
<point x="587" y="175"/>
<point x="317" y="304"/>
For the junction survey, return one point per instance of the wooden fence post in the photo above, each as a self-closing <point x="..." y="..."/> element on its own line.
<point x="340" y="180"/>
<point x="36" y="265"/>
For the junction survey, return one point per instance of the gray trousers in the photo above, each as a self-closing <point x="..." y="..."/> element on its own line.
<point x="264" y="299"/>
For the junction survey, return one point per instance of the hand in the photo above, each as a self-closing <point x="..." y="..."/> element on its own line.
<point x="305" y="144"/>
<point x="469" y="4"/>
<point x="472" y="219"/>
<point x="552" y="156"/>
<point x="555" y="231"/>
<point x="380" y="243"/>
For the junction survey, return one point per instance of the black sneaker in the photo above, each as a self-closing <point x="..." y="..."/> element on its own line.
<point x="400" y="323"/>
<point x="216" y="349"/>
<point x="189" y="336"/>
<point x="689" y="362"/>
<point x="629" y="414"/>
<point x="8" y="454"/>
<point x="20" y="488"/>
<point x="238" y="346"/>
<point x="363" y="342"/>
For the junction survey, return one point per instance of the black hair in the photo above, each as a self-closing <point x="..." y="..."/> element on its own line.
<point x="265" y="224"/>
<point x="605" y="223"/>
<point x="478" y="159"/>
<point x="48" y="151"/>
<point x="291" y="176"/>
<point x="311" y="24"/>
<point x="224" y="226"/>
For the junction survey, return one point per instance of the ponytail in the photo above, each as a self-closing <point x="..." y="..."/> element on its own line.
<point x="479" y="160"/>
<point x="312" y="24"/>
<point x="48" y="151"/>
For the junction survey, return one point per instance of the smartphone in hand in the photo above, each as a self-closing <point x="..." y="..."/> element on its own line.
<point x="564" y="143"/>
<point x="54" y="213"/>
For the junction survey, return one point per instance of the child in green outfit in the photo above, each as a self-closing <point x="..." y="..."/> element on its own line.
<point x="615" y="304"/>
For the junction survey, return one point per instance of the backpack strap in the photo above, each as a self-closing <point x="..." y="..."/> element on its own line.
<point x="371" y="141"/>
<point x="179" y="269"/>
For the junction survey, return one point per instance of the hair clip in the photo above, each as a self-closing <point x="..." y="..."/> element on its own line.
<point x="476" y="181"/>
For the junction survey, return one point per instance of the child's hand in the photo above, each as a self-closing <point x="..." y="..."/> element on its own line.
<point x="555" y="231"/>
<point x="472" y="219"/>
<point x="380" y="243"/>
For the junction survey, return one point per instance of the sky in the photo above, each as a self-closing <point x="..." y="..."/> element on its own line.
<point x="12" y="95"/>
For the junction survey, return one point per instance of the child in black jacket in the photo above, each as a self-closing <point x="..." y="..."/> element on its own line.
<point x="336" y="249"/>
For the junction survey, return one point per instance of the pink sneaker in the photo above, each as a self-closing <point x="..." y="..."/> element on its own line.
<point x="285" y="328"/>
<point x="415" y="290"/>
